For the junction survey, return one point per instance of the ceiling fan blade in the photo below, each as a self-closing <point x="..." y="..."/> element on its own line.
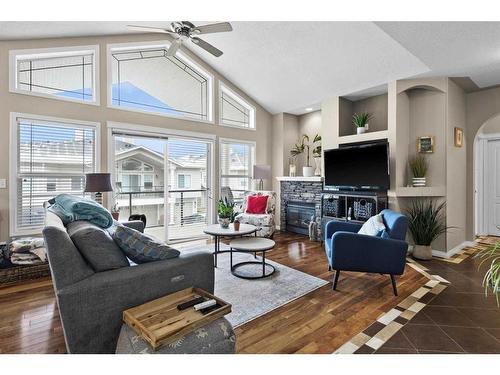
<point x="207" y="46"/>
<point x="174" y="47"/>
<point x="150" y="29"/>
<point x="213" y="28"/>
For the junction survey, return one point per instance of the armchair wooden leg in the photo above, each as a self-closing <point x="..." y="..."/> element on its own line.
<point x="394" y="288"/>
<point x="335" y="281"/>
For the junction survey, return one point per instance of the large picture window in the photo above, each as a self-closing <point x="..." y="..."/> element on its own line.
<point x="61" y="74"/>
<point x="234" y="110"/>
<point x="50" y="157"/>
<point x="236" y="161"/>
<point x="147" y="80"/>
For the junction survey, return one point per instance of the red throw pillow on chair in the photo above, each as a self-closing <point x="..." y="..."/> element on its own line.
<point x="256" y="204"/>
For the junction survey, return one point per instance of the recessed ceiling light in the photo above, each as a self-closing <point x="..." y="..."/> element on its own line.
<point x="309" y="109"/>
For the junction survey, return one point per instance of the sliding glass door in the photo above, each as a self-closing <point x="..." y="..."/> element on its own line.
<point x="167" y="179"/>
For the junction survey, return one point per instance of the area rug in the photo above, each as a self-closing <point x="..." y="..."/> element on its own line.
<point x="253" y="298"/>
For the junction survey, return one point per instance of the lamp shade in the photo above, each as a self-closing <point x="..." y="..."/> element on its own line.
<point x="98" y="182"/>
<point x="261" y="172"/>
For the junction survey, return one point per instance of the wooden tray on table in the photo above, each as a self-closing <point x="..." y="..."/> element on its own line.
<point x="159" y="321"/>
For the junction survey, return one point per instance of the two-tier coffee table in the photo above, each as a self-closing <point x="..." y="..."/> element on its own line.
<point x="217" y="232"/>
<point x="252" y="245"/>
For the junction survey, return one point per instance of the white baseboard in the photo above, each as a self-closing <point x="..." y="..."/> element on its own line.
<point x="451" y="252"/>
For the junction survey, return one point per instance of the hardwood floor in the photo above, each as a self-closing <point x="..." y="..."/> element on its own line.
<point x="319" y="322"/>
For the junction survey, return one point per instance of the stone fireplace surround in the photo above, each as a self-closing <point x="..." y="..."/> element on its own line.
<point x="303" y="189"/>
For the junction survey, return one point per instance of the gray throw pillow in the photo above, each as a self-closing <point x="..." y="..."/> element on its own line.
<point x="96" y="246"/>
<point x="373" y="226"/>
<point x="141" y="248"/>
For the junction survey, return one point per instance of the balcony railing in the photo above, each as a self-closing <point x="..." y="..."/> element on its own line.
<point x="187" y="214"/>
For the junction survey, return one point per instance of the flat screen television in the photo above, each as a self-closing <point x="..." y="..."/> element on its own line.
<point x="358" y="167"/>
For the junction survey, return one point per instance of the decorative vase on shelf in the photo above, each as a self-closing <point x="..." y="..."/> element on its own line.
<point x="422" y="252"/>
<point x="224" y="222"/>
<point x="293" y="170"/>
<point x="361" y="129"/>
<point x="419" y="181"/>
<point x="317" y="171"/>
<point x="308" y="171"/>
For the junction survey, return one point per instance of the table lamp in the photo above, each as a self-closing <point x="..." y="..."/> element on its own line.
<point x="98" y="183"/>
<point x="261" y="172"/>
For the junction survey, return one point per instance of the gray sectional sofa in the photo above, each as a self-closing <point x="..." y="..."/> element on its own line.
<point x="91" y="303"/>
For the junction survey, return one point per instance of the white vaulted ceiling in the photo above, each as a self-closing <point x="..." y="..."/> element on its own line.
<point x="287" y="66"/>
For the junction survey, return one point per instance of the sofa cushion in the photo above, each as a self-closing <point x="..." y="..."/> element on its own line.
<point x="257" y="220"/>
<point x="96" y="246"/>
<point x="373" y="226"/>
<point x="256" y="204"/>
<point x="141" y="248"/>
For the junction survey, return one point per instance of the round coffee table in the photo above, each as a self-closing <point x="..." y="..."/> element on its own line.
<point x="252" y="245"/>
<point x="217" y="232"/>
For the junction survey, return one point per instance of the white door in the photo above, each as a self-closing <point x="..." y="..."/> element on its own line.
<point x="492" y="179"/>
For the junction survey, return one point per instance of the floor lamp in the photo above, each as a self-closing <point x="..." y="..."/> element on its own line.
<point x="261" y="173"/>
<point x="98" y="183"/>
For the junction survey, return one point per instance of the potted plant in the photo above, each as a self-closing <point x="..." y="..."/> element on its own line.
<point x="225" y="212"/>
<point x="360" y="121"/>
<point x="491" y="280"/>
<point x="419" y="168"/>
<point x="115" y="211"/>
<point x="304" y="147"/>
<point x="426" y="222"/>
<point x="317" y="154"/>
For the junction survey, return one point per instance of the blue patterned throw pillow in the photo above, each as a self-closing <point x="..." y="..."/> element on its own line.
<point x="141" y="248"/>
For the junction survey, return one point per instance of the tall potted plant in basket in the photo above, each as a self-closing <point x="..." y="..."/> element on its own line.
<point x="360" y="121"/>
<point x="426" y="222"/>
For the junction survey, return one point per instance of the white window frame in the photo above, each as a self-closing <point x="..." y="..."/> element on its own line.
<point x="13" y="172"/>
<point x="245" y="103"/>
<point x="182" y="56"/>
<point x="21" y="54"/>
<point x="250" y="161"/>
<point x="184" y="176"/>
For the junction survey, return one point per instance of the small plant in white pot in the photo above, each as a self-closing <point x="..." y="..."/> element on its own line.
<point x="360" y="121"/>
<point x="225" y="212"/>
<point x="426" y="222"/>
<point x="304" y="147"/>
<point x="419" y="168"/>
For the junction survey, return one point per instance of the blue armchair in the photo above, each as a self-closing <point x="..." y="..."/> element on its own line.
<point x="349" y="251"/>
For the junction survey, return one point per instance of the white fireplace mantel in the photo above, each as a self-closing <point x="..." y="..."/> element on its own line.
<point x="301" y="179"/>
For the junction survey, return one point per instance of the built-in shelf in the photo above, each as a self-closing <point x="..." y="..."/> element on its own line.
<point x="368" y="136"/>
<point x="301" y="178"/>
<point x="427" y="191"/>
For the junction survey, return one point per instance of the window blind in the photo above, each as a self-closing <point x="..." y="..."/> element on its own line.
<point x="236" y="161"/>
<point x="52" y="158"/>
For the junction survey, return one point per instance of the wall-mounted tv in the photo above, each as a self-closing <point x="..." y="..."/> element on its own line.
<point x="358" y="167"/>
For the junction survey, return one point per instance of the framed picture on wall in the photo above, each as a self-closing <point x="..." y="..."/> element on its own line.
<point x="425" y="144"/>
<point x="459" y="137"/>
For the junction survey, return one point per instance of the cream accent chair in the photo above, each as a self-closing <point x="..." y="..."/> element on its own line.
<point x="265" y="222"/>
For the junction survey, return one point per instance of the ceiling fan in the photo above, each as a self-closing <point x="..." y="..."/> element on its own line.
<point x="185" y="30"/>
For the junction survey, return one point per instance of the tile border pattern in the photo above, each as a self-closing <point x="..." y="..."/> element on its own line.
<point x="392" y="321"/>
<point x="379" y="332"/>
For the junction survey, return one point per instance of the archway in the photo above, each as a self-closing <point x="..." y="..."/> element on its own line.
<point x="488" y="132"/>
